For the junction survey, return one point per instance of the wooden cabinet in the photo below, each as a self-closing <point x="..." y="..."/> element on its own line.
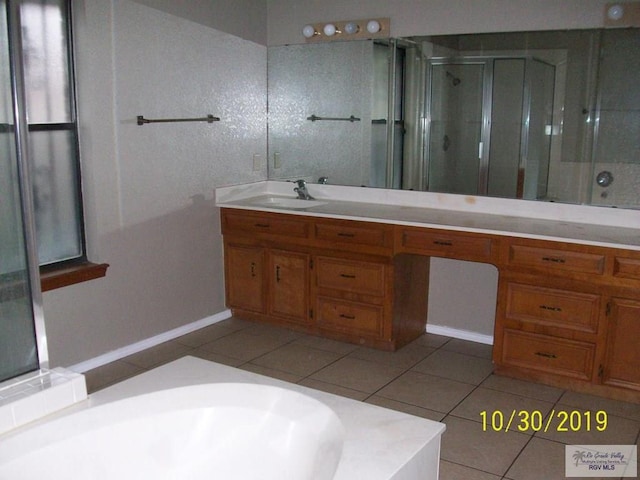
<point x="352" y="297"/>
<point x="567" y="314"/>
<point x="621" y="366"/>
<point x="324" y="276"/>
<point x="445" y="243"/>
<point x="267" y="282"/>
<point x="245" y="278"/>
<point x="288" y="286"/>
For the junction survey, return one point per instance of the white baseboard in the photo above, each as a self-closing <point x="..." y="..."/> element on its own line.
<point x="461" y="334"/>
<point x="148" y="343"/>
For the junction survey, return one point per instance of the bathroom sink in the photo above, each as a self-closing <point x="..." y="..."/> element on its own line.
<point x="287" y="203"/>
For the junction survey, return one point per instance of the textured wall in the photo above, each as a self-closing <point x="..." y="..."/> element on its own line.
<point x="149" y="189"/>
<point x="327" y="80"/>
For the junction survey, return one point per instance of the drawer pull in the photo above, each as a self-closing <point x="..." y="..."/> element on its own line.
<point x="348" y="317"/>
<point x="253" y="269"/>
<point x="554" y="259"/>
<point x="546" y="355"/>
<point x="348" y="235"/>
<point x="443" y="243"/>
<point x="277" y="273"/>
<point x="551" y="308"/>
<point x="261" y="225"/>
<point x="346" y="275"/>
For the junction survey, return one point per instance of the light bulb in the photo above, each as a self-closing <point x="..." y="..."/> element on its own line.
<point x="351" y="28"/>
<point x="308" y="31"/>
<point x="615" y="12"/>
<point x="373" y="26"/>
<point x="330" y="30"/>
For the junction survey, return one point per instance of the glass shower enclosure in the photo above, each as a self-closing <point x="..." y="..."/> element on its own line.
<point x="22" y="336"/>
<point x="487" y="129"/>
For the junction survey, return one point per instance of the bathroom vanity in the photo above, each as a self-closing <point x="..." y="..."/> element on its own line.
<point x="568" y="305"/>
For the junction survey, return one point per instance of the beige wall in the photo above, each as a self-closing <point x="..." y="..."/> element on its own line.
<point x="149" y="189"/>
<point x="242" y="18"/>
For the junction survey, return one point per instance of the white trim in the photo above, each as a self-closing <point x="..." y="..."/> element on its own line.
<point x="461" y="334"/>
<point x="148" y="343"/>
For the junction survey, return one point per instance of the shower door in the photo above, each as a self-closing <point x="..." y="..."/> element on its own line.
<point x="457" y="128"/>
<point x="20" y="308"/>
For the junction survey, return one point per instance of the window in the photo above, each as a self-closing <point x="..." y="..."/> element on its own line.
<point x="53" y="130"/>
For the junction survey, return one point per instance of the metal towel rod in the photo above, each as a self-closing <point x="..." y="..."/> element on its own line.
<point x="352" y="119"/>
<point x="209" y="119"/>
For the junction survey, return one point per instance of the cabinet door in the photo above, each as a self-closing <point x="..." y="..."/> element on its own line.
<point x="244" y="268"/>
<point x="289" y="285"/>
<point x="622" y="362"/>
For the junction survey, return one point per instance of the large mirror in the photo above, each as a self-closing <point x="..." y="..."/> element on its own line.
<point x="550" y="116"/>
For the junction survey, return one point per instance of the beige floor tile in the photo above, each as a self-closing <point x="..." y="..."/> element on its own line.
<point x="405" y="358"/>
<point x="573" y="426"/>
<point x="523" y="388"/>
<point x="270" y="372"/>
<point x="108" y="374"/>
<point x="357" y="374"/>
<point x="612" y="407"/>
<point x="466" y="443"/>
<point x="503" y="411"/>
<point x="297" y="359"/>
<point x="469" y="348"/>
<point x="456" y="366"/>
<point x="541" y="459"/>
<point x="273" y="331"/>
<point x="453" y="471"/>
<point x="205" y="335"/>
<point x="237" y="323"/>
<point x="244" y="346"/>
<point x="431" y="340"/>
<point x="335" y="389"/>
<point x="327" y="344"/>
<point x="216" y="357"/>
<point x="158" y="355"/>
<point x="426" y="391"/>
<point x="405" y="408"/>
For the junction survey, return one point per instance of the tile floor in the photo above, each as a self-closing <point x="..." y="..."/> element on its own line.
<point x="435" y="377"/>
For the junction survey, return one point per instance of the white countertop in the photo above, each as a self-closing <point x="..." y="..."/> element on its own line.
<point x="601" y="226"/>
<point x="379" y="443"/>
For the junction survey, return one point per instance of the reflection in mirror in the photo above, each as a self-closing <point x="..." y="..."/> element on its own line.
<point x="531" y="115"/>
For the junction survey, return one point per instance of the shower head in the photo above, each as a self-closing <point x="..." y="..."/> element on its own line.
<point x="455" y="81"/>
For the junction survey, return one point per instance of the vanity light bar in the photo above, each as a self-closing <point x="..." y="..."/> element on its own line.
<point x="347" y="30"/>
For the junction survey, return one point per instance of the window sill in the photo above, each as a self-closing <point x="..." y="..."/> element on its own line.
<point x="52" y="278"/>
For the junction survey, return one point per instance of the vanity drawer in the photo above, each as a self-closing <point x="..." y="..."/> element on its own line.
<point x="548" y="354"/>
<point x="626" y="268"/>
<point x="445" y="244"/>
<point x="354" y="233"/>
<point x="351" y="276"/>
<point x="349" y="317"/>
<point x="556" y="260"/>
<point x="254" y="223"/>
<point x="548" y="306"/>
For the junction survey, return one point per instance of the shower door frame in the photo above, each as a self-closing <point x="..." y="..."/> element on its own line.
<point x="20" y="129"/>
<point x="485" y="129"/>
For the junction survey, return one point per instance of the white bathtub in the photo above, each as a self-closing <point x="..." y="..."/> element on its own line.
<point x="214" y="431"/>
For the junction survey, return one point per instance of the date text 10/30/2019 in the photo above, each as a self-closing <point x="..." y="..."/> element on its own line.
<point x="536" y="421"/>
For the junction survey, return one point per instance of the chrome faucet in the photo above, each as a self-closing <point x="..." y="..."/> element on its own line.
<point x="301" y="190"/>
